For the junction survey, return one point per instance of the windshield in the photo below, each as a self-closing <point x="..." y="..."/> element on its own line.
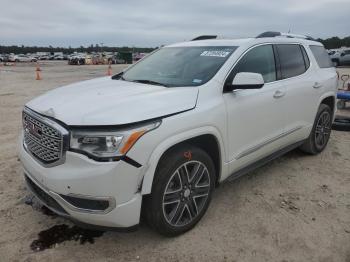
<point x="180" y="66"/>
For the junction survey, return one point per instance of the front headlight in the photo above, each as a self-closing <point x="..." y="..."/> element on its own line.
<point x="107" y="144"/>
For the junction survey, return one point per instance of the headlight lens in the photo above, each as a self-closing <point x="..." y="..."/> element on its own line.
<point x="107" y="144"/>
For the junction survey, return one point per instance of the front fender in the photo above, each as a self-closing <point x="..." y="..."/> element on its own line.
<point x="173" y="140"/>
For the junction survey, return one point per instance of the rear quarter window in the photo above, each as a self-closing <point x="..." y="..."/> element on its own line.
<point x="321" y="56"/>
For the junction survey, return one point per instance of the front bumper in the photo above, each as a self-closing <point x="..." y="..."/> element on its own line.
<point x="116" y="182"/>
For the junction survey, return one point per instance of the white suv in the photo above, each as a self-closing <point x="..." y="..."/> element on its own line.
<point x="165" y="132"/>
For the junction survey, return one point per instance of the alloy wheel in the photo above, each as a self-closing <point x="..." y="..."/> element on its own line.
<point x="323" y="130"/>
<point x="186" y="193"/>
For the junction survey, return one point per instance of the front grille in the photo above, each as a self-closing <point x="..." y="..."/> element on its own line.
<point x="44" y="141"/>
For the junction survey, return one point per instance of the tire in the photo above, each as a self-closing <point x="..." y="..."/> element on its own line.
<point x="341" y="123"/>
<point x="320" y="133"/>
<point x="336" y="62"/>
<point x="177" y="203"/>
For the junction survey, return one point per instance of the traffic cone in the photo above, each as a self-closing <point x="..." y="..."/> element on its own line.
<point x="109" y="71"/>
<point x="38" y="70"/>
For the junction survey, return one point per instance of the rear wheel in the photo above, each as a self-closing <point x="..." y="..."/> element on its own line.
<point x="181" y="191"/>
<point x="320" y="133"/>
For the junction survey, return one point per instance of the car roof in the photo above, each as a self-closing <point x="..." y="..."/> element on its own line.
<point x="245" y="41"/>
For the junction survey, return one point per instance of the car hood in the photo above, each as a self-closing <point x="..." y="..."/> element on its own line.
<point x="103" y="101"/>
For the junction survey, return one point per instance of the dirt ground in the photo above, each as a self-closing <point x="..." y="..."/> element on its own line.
<point x="296" y="208"/>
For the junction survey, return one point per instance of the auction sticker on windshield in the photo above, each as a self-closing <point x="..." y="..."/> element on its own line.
<point x="215" y="53"/>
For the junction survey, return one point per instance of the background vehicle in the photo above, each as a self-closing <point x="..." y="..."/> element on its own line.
<point x="44" y="57"/>
<point x="58" y="57"/>
<point x="340" y="57"/>
<point x="159" y="136"/>
<point x="138" y="56"/>
<point x="334" y="56"/>
<point x="5" y="58"/>
<point x="77" y="59"/>
<point x="21" y="58"/>
<point x="344" y="58"/>
<point x="116" y="59"/>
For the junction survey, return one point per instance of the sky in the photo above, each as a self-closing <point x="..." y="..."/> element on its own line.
<point x="151" y="23"/>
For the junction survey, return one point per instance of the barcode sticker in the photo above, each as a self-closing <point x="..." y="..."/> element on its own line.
<point x="215" y="53"/>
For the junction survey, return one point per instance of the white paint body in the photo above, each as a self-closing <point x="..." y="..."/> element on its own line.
<point x="240" y="121"/>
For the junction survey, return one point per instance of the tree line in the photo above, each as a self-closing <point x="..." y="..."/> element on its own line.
<point x="329" y="43"/>
<point x="68" y="50"/>
<point x="335" y="42"/>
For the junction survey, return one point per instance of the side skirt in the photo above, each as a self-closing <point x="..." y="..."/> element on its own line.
<point x="263" y="161"/>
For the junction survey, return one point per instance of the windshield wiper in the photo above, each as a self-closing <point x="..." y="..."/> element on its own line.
<point x="150" y="82"/>
<point x="143" y="81"/>
<point x="118" y="76"/>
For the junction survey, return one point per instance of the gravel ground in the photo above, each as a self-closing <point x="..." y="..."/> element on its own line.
<point x="296" y="208"/>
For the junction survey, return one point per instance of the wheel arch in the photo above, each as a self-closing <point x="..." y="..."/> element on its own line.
<point x="213" y="146"/>
<point x="329" y="100"/>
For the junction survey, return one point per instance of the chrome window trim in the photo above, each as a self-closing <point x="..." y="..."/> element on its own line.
<point x="270" y="43"/>
<point x="65" y="138"/>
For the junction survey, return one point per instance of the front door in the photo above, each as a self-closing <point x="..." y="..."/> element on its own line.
<point x="255" y="118"/>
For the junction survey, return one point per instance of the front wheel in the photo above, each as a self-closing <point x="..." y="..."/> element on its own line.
<point x="320" y="133"/>
<point x="181" y="191"/>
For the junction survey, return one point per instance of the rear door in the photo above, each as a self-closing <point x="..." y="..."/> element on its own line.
<point x="301" y="83"/>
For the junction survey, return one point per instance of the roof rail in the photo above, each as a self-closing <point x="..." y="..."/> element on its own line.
<point x="204" y="37"/>
<point x="269" y="34"/>
<point x="279" y="34"/>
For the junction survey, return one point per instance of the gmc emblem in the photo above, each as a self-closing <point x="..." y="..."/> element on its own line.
<point x="34" y="129"/>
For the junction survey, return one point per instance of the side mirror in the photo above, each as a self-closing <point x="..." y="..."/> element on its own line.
<point x="342" y="54"/>
<point x="246" y="80"/>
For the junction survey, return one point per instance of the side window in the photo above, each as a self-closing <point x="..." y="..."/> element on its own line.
<point x="321" y="56"/>
<point x="291" y="60"/>
<point x="258" y="60"/>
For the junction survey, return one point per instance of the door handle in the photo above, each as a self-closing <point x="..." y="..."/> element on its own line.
<point x="317" y="85"/>
<point x="278" y="94"/>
